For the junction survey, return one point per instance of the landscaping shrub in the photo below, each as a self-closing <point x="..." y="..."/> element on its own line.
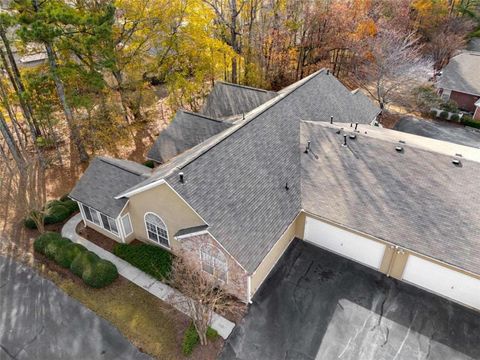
<point x="433" y="113"/>
<point x="449" y="106"/>
<point x="54" y="245"/>
<point x="56" y="211"/>
<point x="454" y="117"/>
<point x="149" y="163"/>
<point x="68" y="253"/>
<point x="103" y="273"/>
<point x="84" y="262"/>
<point x="191" y="338"/>
<point x="468" y="121"/>
<point x="149" y="258"/>
<point x="444" y="115"/>
<point x="41" y="242"/>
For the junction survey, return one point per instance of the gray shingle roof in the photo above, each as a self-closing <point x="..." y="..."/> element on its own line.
<point x="184" y="132"/>
<point x="417" y="199"/>
<point x="462" y="73"/>
<point x="104" y="179"/>
<point x="364" y="106"/>
<point x="226" y="100"/>
<point x="236" y="179"/>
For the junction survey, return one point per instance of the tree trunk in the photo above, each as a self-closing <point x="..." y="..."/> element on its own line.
<point x="234" y="39"/>
<point x="19" y="132"/>
<point x="12" y="145"/>
<point x="17" y="83"/>
<point x="74" y="131"/>
<point x="119" y="78"/>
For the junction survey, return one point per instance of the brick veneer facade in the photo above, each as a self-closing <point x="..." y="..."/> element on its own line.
<point x="237" y="282"/>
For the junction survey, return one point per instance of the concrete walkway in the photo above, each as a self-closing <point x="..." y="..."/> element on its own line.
<point x="164" y="292"/>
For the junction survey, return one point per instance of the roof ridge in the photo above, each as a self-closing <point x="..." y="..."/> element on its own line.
<point x="243" y="86"/>
<point x="264" y="107"/>
<point x="202" y="116"/>
<point x="108" y="161"/>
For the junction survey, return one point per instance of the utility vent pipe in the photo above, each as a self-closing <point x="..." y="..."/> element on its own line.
<point x="331" y="119"/>
<point x="307" y="148"/>
<point x="344" y="140"/>
<point x="181" y="177"/>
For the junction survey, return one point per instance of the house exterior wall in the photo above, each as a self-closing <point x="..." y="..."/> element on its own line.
<point x="295" y="229"/>
<point x="163" y="201"/>
<point x="476" y="115"/>
<point x="237" y="278"/>
<point x="464" y="101"/>
<point x="99" y="229"/>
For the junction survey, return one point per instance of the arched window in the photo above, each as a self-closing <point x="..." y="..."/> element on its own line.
<point x="214" y="262"/>
<point x="156" y="229"/>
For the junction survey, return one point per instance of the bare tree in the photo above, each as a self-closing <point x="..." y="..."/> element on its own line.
<point x="203" y="295"/>
<point x="393" y="65"/>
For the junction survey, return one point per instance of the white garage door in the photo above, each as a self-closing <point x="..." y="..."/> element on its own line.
<point x="443" y="281"/>
<point x="345" y="243"/>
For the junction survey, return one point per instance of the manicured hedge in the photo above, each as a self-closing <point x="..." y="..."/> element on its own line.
<point x="56" y="212"/>
<point x="101" y="274"/>
<point x="41" y="242"/>
<point x="443" y="115"/>
<point x="191" y="339"/>
<point x="454" y="117"/>
<point x="468" y="121"/>
<point x="149" y="258"/>
<point x="84" y="262"/>
<point x="94" y="271"/>
<point x="68" y="253"/>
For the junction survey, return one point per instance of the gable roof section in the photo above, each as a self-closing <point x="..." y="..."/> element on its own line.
<point x="366" y="109"/>
<point x="227" y="100"/>
<point x="184" y="132"/>
<point x="416" y="199"/>
<point x="105" y="178"/>
<point x="462" y="74"/>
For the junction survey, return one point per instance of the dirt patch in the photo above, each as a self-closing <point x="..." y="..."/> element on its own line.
<point x="389" y="120"/>
<point x="95" y="237"/>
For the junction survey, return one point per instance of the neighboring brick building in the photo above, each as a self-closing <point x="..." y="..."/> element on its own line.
<point x="460" y="80"/>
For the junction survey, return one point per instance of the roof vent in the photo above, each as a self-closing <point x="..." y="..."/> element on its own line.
<point x="328" y="71"/>
<point x="331" y="119"/>
<point x="356" y="126"/>
<point x="456" y="162"/>
<point x="352" y="136"/>
<point x="286" y="186"/>
<point x="307" y="148"/>
<point x="344" y="140"/>
<point x="458" y="155"/>
<point x="399" y="148"/>
<point x="181" y="177"/>
<point x="401" y="142"/>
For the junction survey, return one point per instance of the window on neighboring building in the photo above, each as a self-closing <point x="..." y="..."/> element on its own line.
<point x="100" y="219"/>
<point x="156" y="229"/>
<point x="214" y="262"/>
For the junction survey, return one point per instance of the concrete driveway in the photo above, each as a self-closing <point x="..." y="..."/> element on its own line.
<point x="317" y="305"/>
<point x="39" y="321"/>
<point x="439" y="130"/>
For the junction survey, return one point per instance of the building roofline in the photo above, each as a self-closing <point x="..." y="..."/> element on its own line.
<point x="244" y="87"/>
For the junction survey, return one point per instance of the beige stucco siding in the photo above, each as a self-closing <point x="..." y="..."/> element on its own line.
<point x="102" y="231"/>
<point x="275" y="253"/>
<point x="166" y="203"/>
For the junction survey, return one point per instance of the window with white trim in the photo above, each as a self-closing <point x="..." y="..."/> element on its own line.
<point x="214" y="262"/>
<point x="100" y="219"/>
<point x="156" y="229"/>
<point x="127" y="224"/>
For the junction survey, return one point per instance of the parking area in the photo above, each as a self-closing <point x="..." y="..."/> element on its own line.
<point x="317" y="305"/>
<point x="439" y="130"/>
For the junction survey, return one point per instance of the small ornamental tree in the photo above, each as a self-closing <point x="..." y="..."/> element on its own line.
<point x="203" y="295"/>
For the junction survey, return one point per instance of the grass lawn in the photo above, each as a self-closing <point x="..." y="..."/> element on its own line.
<point x="150" y="324"/>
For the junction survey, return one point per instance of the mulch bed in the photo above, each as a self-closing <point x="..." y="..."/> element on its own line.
<point x="95" y="237"/>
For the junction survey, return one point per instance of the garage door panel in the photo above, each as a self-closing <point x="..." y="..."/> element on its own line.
<point x="443" y="281"/>
<point x="345" y="243"/>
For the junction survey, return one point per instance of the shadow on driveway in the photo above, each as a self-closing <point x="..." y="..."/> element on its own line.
<point x="39" y="321"/>
<point x="317" y="305"/>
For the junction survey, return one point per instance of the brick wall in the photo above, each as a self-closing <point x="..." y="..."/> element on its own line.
<point x="464" y="101"/>
<point x="237" y="282"/>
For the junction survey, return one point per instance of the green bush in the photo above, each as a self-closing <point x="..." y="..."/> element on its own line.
<point x="468" y="121"/>
<point x="84" y="262"/>
<point x="54" y="246"/>
<point x="68" y="253"/>
<point x="454" y="117"/>
<point x="43" y="240"/>
<point x="449" y="106"/>
<point x="151" y="259"/>
<point x="56" y="211"/>
<point x="433" y="113"/>
<point x="444" y="115"/>
<point x="149" y="163"/>
<point x="103" y="273"/>
<point x="191" y="338"/>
